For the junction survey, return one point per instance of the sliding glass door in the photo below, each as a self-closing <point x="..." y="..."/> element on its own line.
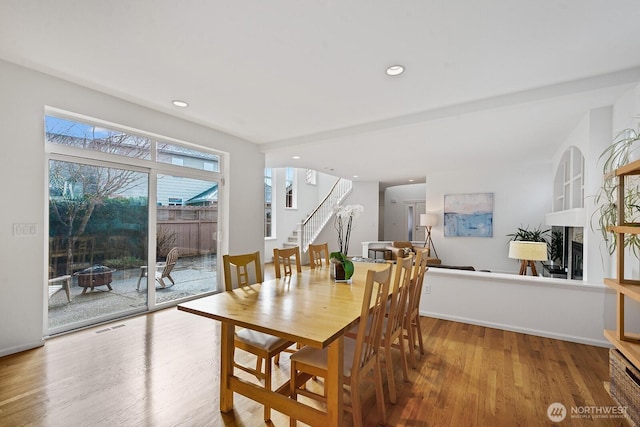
<point x="133" y="221"/>
<point x="98" y="222"/>
<point x="186" y="245"/>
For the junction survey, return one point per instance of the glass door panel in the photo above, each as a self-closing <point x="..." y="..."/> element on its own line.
<point x="186" y="243"/>
<point x="98" y="225"/>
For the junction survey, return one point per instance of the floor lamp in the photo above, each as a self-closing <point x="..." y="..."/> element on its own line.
<point x="528" y="253"/>
<point x="427" y="221"/>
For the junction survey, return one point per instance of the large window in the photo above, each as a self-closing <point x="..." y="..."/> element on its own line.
<point x="133" y="221"/>
<point x="268" y="197"/>
<point x="290" y="188"/>
<point x="96" y="137"/>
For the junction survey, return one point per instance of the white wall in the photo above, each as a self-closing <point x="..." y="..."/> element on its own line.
<point x="25" y="93"/>
<point x="554" y="308"/>
<point x="366" y="226"/>
<point x="522" y="195"/>
<point x="308" y="197"/>
<point x="395" y="200"/>
<point x="565" y="309"/>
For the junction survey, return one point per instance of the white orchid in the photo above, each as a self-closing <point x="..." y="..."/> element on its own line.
<point x="344" y="216"/>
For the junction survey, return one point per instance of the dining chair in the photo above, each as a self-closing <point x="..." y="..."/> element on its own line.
<point x="60" y="283"/>
<point x="163" y="269"/>
<point x="248" y="271"/>
<point x="282" y="257"/>
<point x="361" y="355"/>
<point x="393" y="324"/>
<point x="412" y="328"/>
<point x="317" y="253"/>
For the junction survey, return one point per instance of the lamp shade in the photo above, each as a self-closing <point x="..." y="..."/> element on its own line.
<point x="428" y="220"/>
<point x="530" y="251"/>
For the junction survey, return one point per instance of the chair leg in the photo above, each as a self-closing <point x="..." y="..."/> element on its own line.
<point x="418" y="329"/>
<point x="143" y="271"/>
<point x="382" y="412"/>
<point x="292" y="391"/>
<point x="411" y="342"/>
<point x="356" y="407"/>
<point x="403" y="358"/>
<point x="267" y="386"/>
<point x="67" y="289"/>
<point x="391" y="382"/>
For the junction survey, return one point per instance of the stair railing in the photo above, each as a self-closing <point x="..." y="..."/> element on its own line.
<point x="311" y="227"/>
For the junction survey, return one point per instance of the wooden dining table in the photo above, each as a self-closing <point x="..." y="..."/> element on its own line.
<point x="308" y="308"/>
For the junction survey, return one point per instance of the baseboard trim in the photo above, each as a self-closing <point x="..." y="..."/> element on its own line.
<point x="528" y="331"/>
<point x="20" y="348"/>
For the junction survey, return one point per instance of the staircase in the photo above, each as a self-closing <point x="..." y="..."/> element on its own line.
<point x="309" y="229"/>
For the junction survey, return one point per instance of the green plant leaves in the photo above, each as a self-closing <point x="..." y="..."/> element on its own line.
<point x="526" y="235"/>
<point x="618" y="154"/>
<point x="348" y="269"/>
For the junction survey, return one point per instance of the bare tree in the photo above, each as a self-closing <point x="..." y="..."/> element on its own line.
<point x="75" y="189"/>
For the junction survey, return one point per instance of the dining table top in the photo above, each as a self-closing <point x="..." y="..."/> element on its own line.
<point x="309" y="308"/>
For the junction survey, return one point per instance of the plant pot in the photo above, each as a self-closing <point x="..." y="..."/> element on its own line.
<point x="338" y="273"/>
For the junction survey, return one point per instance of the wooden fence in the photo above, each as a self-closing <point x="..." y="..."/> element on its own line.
<point x="193" y="229"/>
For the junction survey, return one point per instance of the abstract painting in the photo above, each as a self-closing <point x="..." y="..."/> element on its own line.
<point x="468" y="215"/>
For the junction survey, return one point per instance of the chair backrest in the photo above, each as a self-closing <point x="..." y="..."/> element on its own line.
<point x="172" y="258"/>
<point x="316" y="255"/>
<point x="416" y="283"/>
<point x="368" y="338"/>
<point x="245" y="274"/>
<point x="283" y="257"/>
<point x="399" y="296"/>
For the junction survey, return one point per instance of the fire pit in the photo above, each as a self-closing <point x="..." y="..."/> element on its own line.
<point x="98" y="275"/>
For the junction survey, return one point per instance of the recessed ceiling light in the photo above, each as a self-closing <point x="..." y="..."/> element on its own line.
<point x="295" y="157"/>
<point x="411" y="180"/>
<point x="395" y="70"/>
<point x="355" y="176"/>
<point x="179" y="103"/>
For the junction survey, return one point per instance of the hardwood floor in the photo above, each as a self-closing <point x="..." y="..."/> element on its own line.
<point x="161" y="369"/>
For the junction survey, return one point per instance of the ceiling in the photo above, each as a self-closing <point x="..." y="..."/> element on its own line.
<point x="498" y="80"/>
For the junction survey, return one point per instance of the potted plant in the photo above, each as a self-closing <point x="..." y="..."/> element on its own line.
<point x="555" y="248"/>
<point x="341" y="267"/>
<point x="537" y="235"/>
<point x="623" y="150"/>
<point x="526" y="235"/>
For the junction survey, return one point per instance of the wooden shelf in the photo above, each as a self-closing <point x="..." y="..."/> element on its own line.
<point x="627" y="343"/>
<point x="630" y="347"/>
<point x="631" y="288"/>
<point x="632" y="168"/>
<point x="626" y="229"/>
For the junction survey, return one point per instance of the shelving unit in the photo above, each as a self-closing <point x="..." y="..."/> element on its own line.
<point x="628" y="343"/>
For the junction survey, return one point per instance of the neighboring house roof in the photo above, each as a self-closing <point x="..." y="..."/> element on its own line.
<point x="208" y="196"/>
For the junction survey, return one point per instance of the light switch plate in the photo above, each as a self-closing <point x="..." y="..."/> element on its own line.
<point x="25" y="229"/>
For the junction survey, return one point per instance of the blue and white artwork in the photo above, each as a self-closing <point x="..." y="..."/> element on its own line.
<point x="468" y="215"/>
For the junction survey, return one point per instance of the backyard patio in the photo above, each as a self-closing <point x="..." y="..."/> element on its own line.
<point x="192" y="276"/>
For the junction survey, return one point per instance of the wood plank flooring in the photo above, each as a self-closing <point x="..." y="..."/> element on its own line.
<point x="161" y="369"/>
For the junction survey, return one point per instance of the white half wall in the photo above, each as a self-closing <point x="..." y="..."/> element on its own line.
<point x="554" y="308"/>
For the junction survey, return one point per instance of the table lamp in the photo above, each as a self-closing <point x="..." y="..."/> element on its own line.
<point x="427" y="221"/>
<point x="528" y="253"/>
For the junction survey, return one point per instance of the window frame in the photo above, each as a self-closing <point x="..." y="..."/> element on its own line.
<point x="153" y="168"/>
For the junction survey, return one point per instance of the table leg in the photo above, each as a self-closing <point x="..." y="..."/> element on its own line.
<point x="335" y="393"/>
<point x="226" y="366"/>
